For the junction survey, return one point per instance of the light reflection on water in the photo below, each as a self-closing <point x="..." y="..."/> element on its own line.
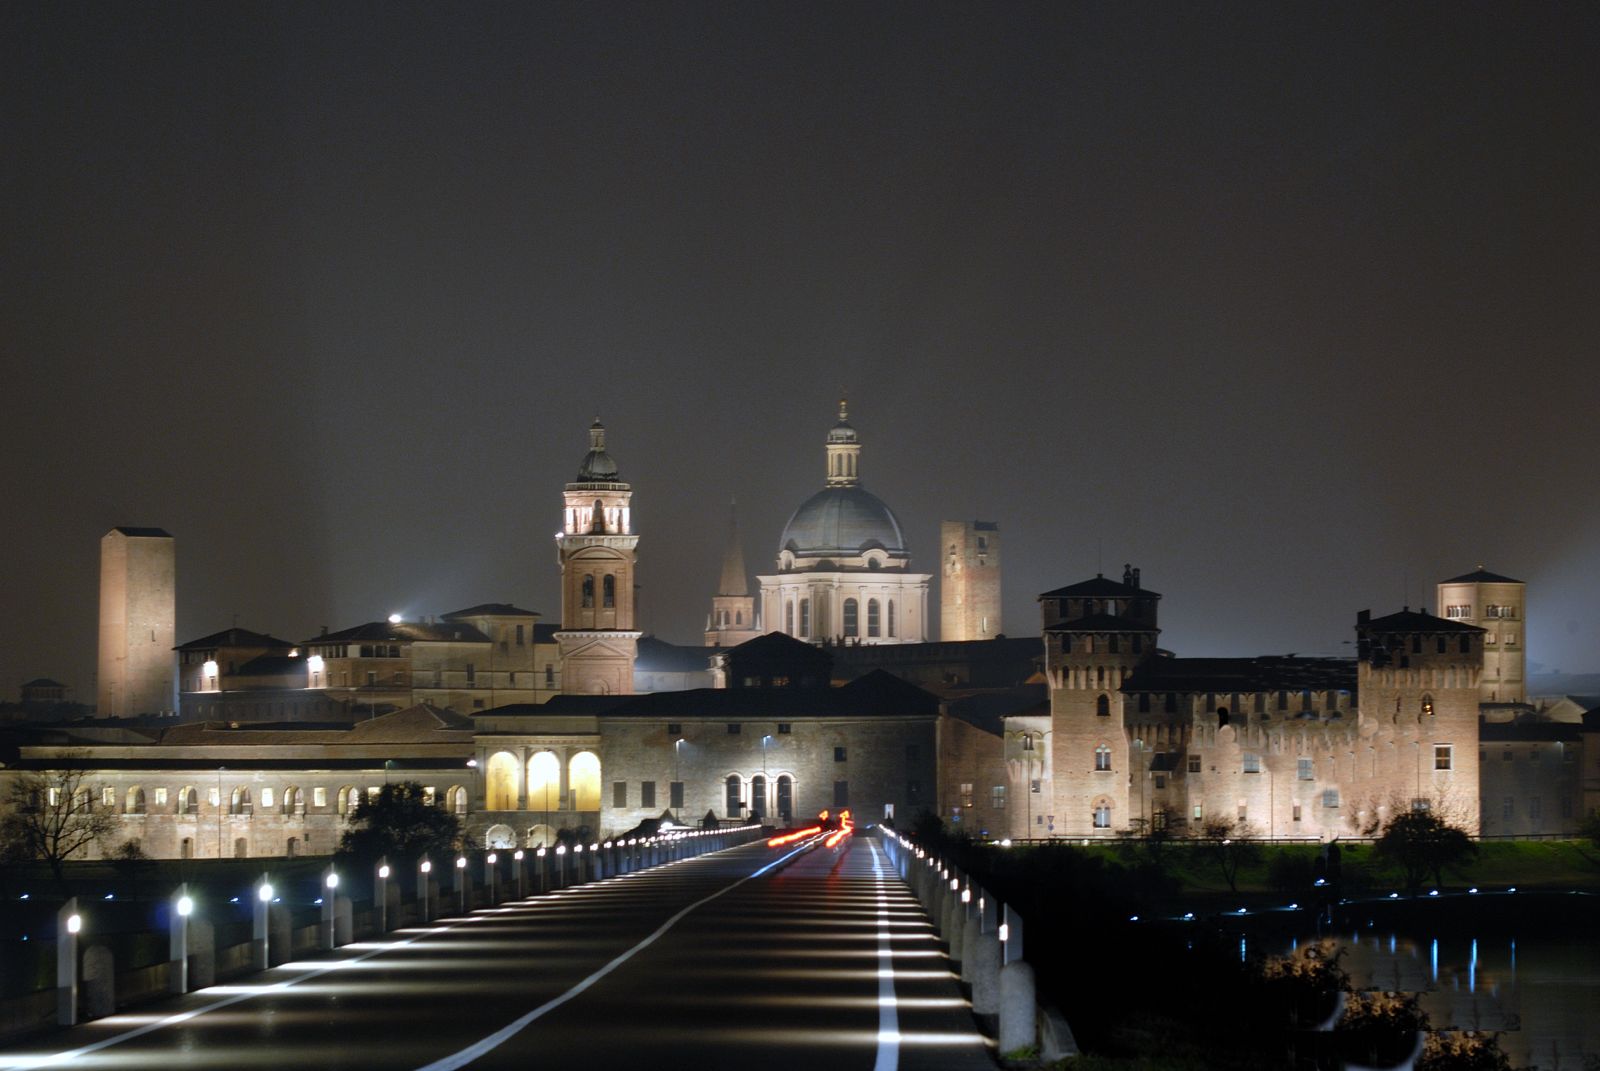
<point x="1543" y="992"/>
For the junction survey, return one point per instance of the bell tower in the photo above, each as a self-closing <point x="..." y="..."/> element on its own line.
<point x="597" y="551"/>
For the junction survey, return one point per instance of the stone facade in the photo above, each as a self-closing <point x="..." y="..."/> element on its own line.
<point x="969" y="593"/>
<point x="138" y="617"/>
<point x="1293" y="747"/>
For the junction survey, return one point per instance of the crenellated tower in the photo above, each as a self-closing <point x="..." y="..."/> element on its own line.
<point x="1096" y="634"/>
<point x="1418" y="679"/>
<point x="597" y="551"/>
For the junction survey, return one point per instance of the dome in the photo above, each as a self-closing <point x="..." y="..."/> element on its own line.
<point x="598" y="467"/>
<point x="843" y="522"/>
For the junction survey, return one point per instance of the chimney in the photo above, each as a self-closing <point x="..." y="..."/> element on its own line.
<point x="1363" y="617"/>
<point x="324" y="630"/>
<point x="1136" y="578"/>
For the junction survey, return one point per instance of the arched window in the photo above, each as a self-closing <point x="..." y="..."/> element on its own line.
<point x="544" y="782"/>
<point x="891" y="619"/>
<point x="500" y="782"/>
<point x="1102" y="706"/>
<point x="852" y="611"/>
<point x="1102" y="758"/>
<point x="135" y="801"/>
<point x="608" y="591"/>
<point x="189" y="800"/>
<point x="458" y="799"/>
<point x="735" y="796"/>
<point x="788" y="617"/>
<point x="872" y="617"/>
<point x="1102" y="814"/>
<point x="186" y="848"/>
<point x="588" y="591"/>
<point x="241" y="802"/>
<point x="785" y="795"/>
<point x="758" y="796"/>
<point x="597" y="517"/>
<point x="583" y="778"/>
<point x="349" y="799"/>
<point x="805" y="617"/>
<point x="291" y="848"/>
<point x="738" y="617"/>
<point x="293" y="800"/>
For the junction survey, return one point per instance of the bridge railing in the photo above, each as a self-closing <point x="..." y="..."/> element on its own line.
<point x="985" y="939"/>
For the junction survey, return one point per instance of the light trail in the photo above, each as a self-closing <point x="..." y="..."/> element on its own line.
<point x="788" y="838"/>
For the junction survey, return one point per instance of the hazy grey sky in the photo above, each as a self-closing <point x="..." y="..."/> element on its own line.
<point x="1294" y="306"/>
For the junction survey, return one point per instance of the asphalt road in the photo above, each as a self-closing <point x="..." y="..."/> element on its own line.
<point x="725" y="960"/>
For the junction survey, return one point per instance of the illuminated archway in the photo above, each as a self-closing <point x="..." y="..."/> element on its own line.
<point x="500" y="784"/>
<point x="544" y="782"/>
<point x="541" y="836"/>
<point x="583" y="778"/>
<point x="499" y="836"/>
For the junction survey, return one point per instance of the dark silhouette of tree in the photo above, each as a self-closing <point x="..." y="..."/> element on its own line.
<point x="50" y="817"/>
<point x="401" y="824"/>
<point x="1230" y="844"/>
<point x="1421" y="844"/>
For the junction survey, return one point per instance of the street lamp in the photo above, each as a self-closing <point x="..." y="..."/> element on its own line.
<point x="764" y="781"/>
<point x="677" y="775"/>
<point x="219" y="810"/>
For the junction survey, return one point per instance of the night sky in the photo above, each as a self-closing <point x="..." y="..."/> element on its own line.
<point x="1294" y="306"/>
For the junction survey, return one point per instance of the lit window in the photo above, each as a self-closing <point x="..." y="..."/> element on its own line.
<point x="1443" y="757"/>
<point x="1102" y="758"/>
<point x="1027" y="742"/>
<point x="1194" y="763"/>
<point x="997" y="797"/>
<point x="319" y="797"/>
<point x="966" y="794"/>
<point x="1102" y="816"/>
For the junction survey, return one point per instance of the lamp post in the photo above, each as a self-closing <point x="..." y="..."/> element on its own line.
<point x="330" y="900"/>
<point x="259" y="928"/>
<point x="424" y="879"/>
<point x="520" y="867"/>
<point x="764" y="783"/>
<point x="381" y="894"/>
<point x="677" y="775"/>
<point x="178" y="941"/>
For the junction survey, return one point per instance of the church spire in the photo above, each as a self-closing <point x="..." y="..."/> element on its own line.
<point x="844" y="451"/>
<point x="734" y="581"/>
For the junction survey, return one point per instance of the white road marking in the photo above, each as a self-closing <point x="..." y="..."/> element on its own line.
<point x="888" y="1006"/>
<point x="493" y="1041"/>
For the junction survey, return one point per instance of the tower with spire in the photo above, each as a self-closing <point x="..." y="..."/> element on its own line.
<point x="597" y="551"/>
<point x="733" y="608"/>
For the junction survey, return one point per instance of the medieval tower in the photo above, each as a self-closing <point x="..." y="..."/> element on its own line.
<point x="138" y="617"/>
<point x="1495" y="604"/>
<point x="596" y="548"/>
<point x="969" y="594"/>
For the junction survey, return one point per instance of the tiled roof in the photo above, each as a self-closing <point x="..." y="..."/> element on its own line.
<point x="490" y="609"/>
<point x="404" y="632"/>
<point x="1417" y="621"/>
<point x="1099" y="588"/>
<point x="234" y="637"/>
<point x="143" y="533"/>
<point x="1480" y="575"/>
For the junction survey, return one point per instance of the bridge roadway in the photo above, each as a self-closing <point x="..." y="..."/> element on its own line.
<point x="748" y="957"/>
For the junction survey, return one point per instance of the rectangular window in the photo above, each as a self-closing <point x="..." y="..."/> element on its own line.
<point x="472" y="674"/>
<point x="647" y="793"/>
<point x="520" y="634"/>
<point x="783" y="728"/>
<point x="266" y="797"/>
<point x="1508" y="810"/>
<point x="319" y="797"/>
<point x="674" y="728"/>
<point x="1252" y="762"/>
<point x="1330" y="797"/>
<point x="733" y="728"/>
<point x="1243" y="811"/>
<point x="1456" y="613"/>
<point x="1296" y="812"/>
<point x="1034" y="786"/>
<point x="161" y="797"/>
<point x="108" y="797"/>
<point x="676" y="794"/>
<point x="549" y="674"/>
<point x="1510" y="639"/>
<point x="1194" y="763"/>
<point x="966" y="794"/>
<point x="841" y="793"/>
<point x="1161" y="780"/>
<point x="1199" y="812"/>
<point x="1307" y="769"/>
<point x="997" y="797"/>
<point x="619" y="793"/>
<point x="1443" y="757"/>
<point x="838" y="754"/>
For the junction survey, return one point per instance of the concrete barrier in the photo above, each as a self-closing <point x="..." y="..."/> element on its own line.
<point x="202" y="954"/>
<point x="1055" y="1036"/>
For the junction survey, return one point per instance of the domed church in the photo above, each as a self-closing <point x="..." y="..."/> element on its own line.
<point x="844" y="571"/>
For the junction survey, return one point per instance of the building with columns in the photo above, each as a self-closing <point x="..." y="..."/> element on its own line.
<point x="844" y="569"/>
<point x="596" y="548"/>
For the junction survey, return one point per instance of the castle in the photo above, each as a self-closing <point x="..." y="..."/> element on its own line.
<point x="828" y="694"/>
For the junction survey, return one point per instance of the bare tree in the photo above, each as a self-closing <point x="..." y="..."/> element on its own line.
<point x="50" y="816"/>
<point x="1230" y="844"/>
